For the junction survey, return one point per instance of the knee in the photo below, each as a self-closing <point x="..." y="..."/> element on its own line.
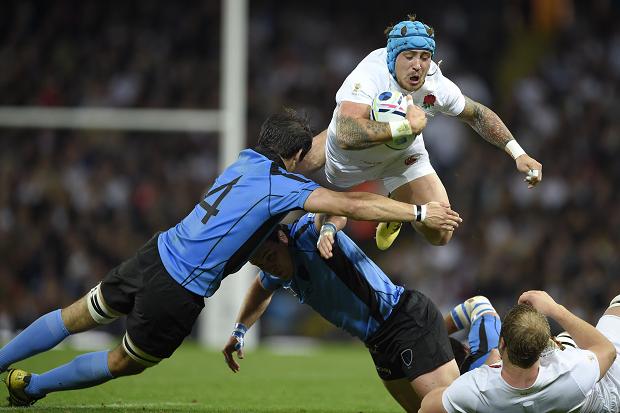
<point x="120" y="364"/>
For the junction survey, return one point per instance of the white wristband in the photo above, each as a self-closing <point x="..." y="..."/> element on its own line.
<point x="514" y="149"/>
<point x="420" y="213"/>
<point x="400" y="128"/>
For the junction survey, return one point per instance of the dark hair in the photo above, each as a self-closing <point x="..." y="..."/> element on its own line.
<point x="526" y="333"/>
<point x="284" y="134"/>
<point x="410" y="17"/>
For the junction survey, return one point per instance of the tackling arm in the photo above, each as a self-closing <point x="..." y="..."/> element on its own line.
<point x="365" y="206"/>
<point x="255" y="303"/>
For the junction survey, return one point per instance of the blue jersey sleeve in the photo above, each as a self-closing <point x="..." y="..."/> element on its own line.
<point x="289" y="191"/>
<point x="270" y="282"/>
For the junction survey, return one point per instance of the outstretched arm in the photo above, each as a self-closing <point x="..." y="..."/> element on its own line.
<point x="255" y="303"/>
<point x="488" y="125"/>
<point x="365" y="206"/>
<point x="355" y="129"/>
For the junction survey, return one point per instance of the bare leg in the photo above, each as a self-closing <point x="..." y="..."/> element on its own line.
<point x="420" y="191"/>
<point x="409" y="394"/>
<point x="120" y="364"/>
<point x="77" y="318"/>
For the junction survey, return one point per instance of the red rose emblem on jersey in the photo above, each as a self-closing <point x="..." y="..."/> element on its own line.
<point x="411" y="160"/>
<point x="429" y="100"/>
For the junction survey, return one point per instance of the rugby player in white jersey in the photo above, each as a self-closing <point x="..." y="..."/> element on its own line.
<point x="356" y="150"/>
<point x="525" y="375"/>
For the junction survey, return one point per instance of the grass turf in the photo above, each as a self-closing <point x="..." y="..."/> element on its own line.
<point x="329" y="379"/>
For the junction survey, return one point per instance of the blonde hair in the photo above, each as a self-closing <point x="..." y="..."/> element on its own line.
<point x="526" y="333"/>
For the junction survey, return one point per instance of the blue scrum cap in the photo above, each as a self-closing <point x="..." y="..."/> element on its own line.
<point x="408" y="35"/>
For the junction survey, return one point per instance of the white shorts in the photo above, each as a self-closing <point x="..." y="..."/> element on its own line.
<point x="608" y="388"/>
<point x="394" y="168"/>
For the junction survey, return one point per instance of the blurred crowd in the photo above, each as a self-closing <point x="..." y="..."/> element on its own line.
<point x="73" y="204"/>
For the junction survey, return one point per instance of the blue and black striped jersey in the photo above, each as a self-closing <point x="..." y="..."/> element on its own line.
<point x="349" y="289"/>
<point x="220" y="234"/>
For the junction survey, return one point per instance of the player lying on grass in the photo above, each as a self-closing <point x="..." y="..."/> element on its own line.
<point x="528" y="372"/>
<point x="403" y="329"/>
<point x="357" y="149"/>
<point x="162" y="287"/>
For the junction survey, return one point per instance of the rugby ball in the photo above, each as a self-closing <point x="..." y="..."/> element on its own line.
<point x="390" y="106"/>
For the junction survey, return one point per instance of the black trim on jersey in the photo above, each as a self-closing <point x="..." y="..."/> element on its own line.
<point x="483" y="349"/>
<point x="275" y="170"/>
<point x="356" y="282"/>
<point x="302" y="272"/>
<point x="192" y="275"/>
<point x="301" y="230"/>
<point x="244" y="252"/>
<point x="271" y="155"/>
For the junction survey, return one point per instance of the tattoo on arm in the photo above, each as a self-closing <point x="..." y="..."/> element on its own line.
<point x="486" y="122"/>
<point x="353" y="133"/>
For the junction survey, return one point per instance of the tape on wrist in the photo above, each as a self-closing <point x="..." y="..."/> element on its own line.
<point x="400" y="128"/>
<point x="514" y="149"/>
<point x="328" y="227"/>
<point x="239" y="330"/>
<point x="422" y="213"/>
<point x="239" y="334"/>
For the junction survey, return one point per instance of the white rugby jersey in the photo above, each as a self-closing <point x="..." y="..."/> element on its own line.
<point x="438" y="94"/>
<point x="565" y="380"/>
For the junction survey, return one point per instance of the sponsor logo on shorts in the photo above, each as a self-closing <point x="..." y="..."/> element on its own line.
<point x="384" y="371"/>
<point x="410" y="160"/>
<point x="407" y="356"/>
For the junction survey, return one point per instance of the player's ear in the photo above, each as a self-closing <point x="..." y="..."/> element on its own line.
<point x="282" y="237"/>
<point x="502" y="345"/>
<point x="298" y="156"/>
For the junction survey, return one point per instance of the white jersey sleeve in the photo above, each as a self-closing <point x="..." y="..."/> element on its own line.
<point x="462" y="395"/>
<point x="366" y="81"/>
<point x="586" y="371"/>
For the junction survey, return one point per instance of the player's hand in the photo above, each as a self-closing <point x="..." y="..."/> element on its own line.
<point x="416" y="116"/>
<point x="326" y="240"/>
<point x="541" y="301"/>
<point x="233" y="346"/>
<point x="439" y="216"/>
<point x="531" y="167"/>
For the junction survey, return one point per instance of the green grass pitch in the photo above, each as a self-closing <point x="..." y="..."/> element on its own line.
<point x="328" y="379"/>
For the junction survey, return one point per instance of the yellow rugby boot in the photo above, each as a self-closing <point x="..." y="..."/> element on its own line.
<point x="16" y="382"/>
<point x="386" y="234"/>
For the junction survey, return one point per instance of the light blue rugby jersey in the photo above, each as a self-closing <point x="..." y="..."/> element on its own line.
<point x="349" y="289"/>
<point x="243" y="206"/>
